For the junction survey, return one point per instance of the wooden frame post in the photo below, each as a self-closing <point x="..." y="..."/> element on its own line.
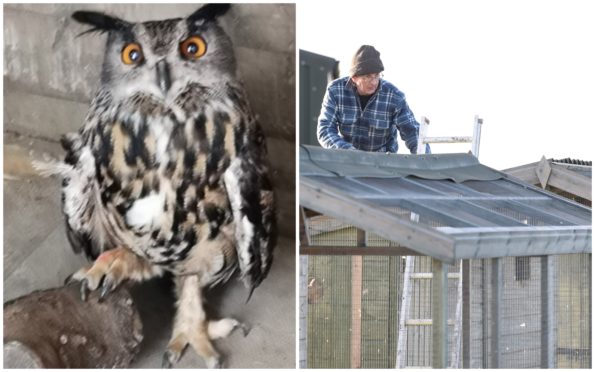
<point x="356" y="303"/>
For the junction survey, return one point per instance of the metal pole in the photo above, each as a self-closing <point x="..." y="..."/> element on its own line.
<point x="484" y="313"/>
<point x="356" y="311"/>
<point x="303" y="312"/>
<point x="590" y="305"/>
<point x="476" y="136"/>
<point x="495" y="301"/>
<point x="547" y="312"/>
<point x="423" y="133"/>
<point x="455" y="355"/>
<point x="439" y="313"/>
<point x="466" y="270"/>
<point x="406" y="301"/>
<point x="303" y="294"/>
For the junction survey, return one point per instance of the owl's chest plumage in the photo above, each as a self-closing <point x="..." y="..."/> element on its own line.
<point x="159" y="171"/>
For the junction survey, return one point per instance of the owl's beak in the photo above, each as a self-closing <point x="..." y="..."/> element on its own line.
<point x="163" y="78"/>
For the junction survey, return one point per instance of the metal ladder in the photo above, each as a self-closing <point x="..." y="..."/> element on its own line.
<point x="404" y="321"/>
<point x="410" y="276"/>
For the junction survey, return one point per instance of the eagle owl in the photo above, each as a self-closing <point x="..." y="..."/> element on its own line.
<point x="168" y="172"/>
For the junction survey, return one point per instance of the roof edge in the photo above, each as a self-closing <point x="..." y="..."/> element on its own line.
<point x="458" y="167"/>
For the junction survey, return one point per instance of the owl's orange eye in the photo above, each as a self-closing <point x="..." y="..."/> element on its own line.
<point x="193" y="48"/>
<point x="132" y="54"/>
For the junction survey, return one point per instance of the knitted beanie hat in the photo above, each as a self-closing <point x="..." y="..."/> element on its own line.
<point x="366" y="61"/>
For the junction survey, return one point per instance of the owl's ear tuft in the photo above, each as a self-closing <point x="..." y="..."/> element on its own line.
<point x="209" y="12"/>
<point x="101" y="22"/>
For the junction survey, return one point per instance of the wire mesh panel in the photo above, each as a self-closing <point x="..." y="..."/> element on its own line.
<point x="519" y="317"/>
<point x="329" y="297"/>
<point x="352" y="303"/>
<point x="515" y="311"/>
<point x="329" y="312"/>
<point x="379" y="304"/>
<point x="519" y="314"/>
<point x="573" y="311"/>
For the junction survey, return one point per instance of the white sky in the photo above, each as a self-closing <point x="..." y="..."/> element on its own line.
<point x="526" y="67"/>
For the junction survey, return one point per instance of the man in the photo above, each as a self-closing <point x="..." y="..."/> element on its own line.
<point x="364" y="112"/>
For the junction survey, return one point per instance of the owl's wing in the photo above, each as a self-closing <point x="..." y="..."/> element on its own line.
<point x="79" y="192"/>
<point x="251" y="197"/>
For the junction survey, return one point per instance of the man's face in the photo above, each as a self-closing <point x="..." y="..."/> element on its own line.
<point x="366" y="84"/>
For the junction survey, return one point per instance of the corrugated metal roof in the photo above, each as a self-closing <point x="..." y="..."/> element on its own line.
<point x="573" y="162"/>
<point x="315" y="161"/>
<point x="448" y="206"/>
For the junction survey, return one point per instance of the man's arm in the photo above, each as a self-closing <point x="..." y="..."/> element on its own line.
<point x="328" y="126"/>
<point x="408" y="127"/>
<point x="391" y="143"/>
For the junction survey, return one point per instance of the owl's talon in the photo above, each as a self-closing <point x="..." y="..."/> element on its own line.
<point x="106" y="288"/>
<point x="166" y="364"/>
<point x="84" y="290"/>
<point x="245" y="328"/>
<point x="169" y="358"/>
<point x="68" y="280"/>
<point x="214" y="362"/>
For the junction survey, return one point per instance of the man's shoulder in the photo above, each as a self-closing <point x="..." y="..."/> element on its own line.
<point x="338" y="84"/>
<point x="389" y="87"/>
<point x="391" y="92"/>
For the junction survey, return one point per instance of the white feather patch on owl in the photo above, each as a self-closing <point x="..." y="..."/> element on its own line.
<point x="244" y="228"/>
<point x="147" y="211"/>
<point x="221" y="328"/>
<point x="246" y="234"/>
<point x="159" y="132"/>
<point x="143" y="86"/>
<point x="78" y="193"/>
<point x="51" y="168"/>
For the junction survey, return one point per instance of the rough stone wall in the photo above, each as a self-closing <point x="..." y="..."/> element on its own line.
<point x="50" y="74"/>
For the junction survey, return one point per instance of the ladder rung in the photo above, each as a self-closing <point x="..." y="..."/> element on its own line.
<point x="424" y="322"/>
<point x="453" y="139"/>
<point x="430" y="275"/>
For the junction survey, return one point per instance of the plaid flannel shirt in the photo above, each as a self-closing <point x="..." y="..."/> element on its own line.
<point x="343" y="125"/>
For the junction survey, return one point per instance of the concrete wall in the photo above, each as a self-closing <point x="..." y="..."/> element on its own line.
<point x="50" y="74"/>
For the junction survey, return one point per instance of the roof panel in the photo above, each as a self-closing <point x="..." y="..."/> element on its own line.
<point x="451" y="199"/>
<point x="317" y="161"/>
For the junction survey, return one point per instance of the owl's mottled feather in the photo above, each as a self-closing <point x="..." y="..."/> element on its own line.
<point x="179" y="159"/>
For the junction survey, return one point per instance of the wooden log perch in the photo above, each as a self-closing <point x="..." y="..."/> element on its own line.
<point x="55" y="329"/>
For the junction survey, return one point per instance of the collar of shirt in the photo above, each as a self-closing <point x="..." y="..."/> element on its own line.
<point x="350" y="85"/>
